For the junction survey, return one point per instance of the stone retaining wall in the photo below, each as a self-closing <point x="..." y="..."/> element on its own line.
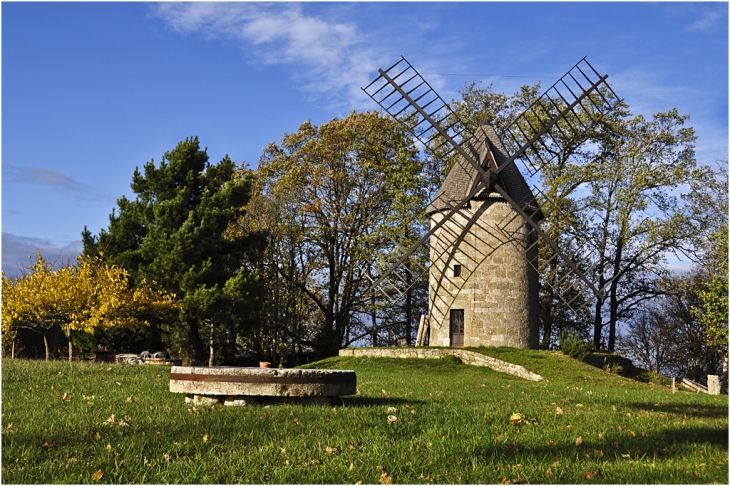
<point x="467" y="357"/>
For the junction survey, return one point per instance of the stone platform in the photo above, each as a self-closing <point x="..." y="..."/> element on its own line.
<point x="243" y="386"/>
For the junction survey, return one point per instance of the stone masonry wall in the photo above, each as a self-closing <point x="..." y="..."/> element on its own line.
<point x="497" y="289"/>
<point x="466" y="356"/>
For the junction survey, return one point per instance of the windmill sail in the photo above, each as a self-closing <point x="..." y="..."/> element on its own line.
<point x="574" y="104"/>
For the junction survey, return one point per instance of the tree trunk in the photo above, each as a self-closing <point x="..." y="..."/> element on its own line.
<point x="45" y="342"/>
<point x="12" y="352"/>
<point x="598" y="323"/>
<point x="212" y="344"/>
<point x="194" y="342"/>
<point x="548" y="311"/>
<point x="373" y="319"/>
<point x="409" y="302"/>
<point x="613" y="304"/>
<point x="70" y="346"/>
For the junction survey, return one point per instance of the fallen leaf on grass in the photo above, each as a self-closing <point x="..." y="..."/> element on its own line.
<point x="128" y="400"/>
<point x="359" y="481"/>
<point x="331" y="450"/>
<point x="558" y="411"/>
<point x="392" y="409"/>
<point x="592" y="475"/>
<point x="205" y="438"/>
<point x="579" y="441"/>
<point x="626" y="456"/>
<point x="97" y="435"/>
<point x="598" y="452"/>
<point x="118" y="383"/>
<point x="65" y="398"/>
<point x="392" y="419"/>
<point x="517" y="419"/>
<point x="385" y="478"/>
<point x="113" y="420"/>
<point x="283" y="450"/>
<point x="167" y="457"/>
<point x="296" y="421"/>
<point x="108" y="447"/>
<point x="48" y="444"/>
<point x="262" y="416"/>
<point x="96" y="477"/>
<point x="384" y="392"/>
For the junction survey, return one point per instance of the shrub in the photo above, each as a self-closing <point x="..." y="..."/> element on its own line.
<point x="614" y="368"/>
<point x="573" y="345"/>
<point x="451" y="359"/>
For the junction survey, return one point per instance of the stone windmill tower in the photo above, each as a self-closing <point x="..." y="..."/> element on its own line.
<point x="484" y="220"/>
<point x="483" y="281"/>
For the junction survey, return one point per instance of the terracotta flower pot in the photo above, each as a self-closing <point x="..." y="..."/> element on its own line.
<point x="264" y="364"/>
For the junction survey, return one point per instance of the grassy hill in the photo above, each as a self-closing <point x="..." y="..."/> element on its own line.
<point x="83" y="423"/>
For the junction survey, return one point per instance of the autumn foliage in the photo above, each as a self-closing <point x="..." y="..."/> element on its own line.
<point x="80" y="297"/>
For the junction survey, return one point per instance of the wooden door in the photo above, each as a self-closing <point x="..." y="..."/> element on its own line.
<point x="457" y="327"/>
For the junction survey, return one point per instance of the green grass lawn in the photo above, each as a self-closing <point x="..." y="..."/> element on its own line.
<point x="81" y="423"/>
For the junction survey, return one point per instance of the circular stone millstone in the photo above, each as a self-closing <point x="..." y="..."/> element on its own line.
<point x="269" y="382"/>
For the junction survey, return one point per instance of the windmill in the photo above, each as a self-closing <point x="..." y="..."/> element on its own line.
<point x="485" y="218"/>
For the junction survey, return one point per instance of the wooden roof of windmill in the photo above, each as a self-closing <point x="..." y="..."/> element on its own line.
<point x="463" y="176"/>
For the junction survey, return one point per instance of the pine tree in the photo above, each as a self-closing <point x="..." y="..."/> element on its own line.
<point x="174" y="233"/>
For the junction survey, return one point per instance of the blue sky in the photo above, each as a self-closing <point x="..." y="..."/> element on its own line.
<point x="92" y="90"/>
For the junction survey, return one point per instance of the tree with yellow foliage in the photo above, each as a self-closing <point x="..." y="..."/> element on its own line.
<point x="78" y="297"/>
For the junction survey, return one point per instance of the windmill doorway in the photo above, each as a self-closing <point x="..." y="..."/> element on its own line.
<point x="456" y="318"/>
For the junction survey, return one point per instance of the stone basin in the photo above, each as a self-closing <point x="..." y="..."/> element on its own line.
<point x="242" y="386"/>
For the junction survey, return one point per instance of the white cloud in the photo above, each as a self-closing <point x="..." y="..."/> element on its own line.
<point x="333" y="57"/>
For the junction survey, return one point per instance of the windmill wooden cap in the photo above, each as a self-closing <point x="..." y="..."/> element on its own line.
<point x="462" y="177"/>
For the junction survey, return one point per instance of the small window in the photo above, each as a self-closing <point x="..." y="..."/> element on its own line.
<point x="457" y="270"/>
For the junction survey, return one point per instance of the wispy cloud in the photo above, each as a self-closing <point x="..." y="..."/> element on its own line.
<point x="13" y="174"/>
<point x="19" y="252"/>
<point x="710" y="21"/>
<point x="648" y="92"/>
<point x="332" y="58"/>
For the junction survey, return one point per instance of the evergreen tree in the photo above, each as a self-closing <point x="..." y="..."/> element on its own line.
<point x="174" y="234"/>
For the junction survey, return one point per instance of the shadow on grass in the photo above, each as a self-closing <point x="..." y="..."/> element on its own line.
<point x="690" y="409"/>
<point x="668" y="444"/>
<point x="379" y="401"/>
